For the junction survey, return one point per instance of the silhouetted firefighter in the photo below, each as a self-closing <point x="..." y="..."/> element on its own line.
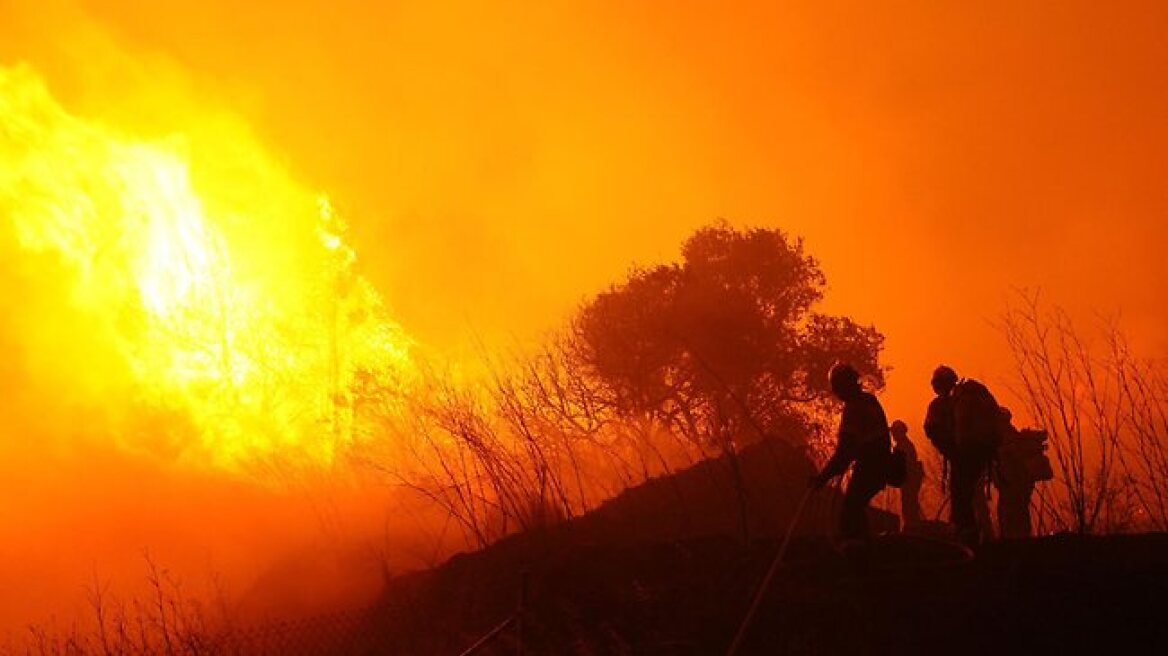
<point x="1021" y="462"/>
<point x="863" y="439"/>
<point x="963" y="423"/>
<point x="910" y="490"/>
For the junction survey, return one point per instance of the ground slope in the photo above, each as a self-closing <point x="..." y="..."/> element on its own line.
<point x="637" y="577"/>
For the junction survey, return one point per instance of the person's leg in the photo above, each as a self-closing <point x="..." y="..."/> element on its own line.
<point x="981" y="508"/>
<point x="910" y="502"/>
<point x="853" y="518"/>
<point x="1004" y="512"/>
<point x="962" y="488"/>
<point x="1014" y="511"/>
<point x="1026" y="529"/>
<point x="862" y="487"/>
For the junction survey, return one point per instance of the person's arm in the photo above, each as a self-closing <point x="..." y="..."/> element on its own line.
<point x="845" y="450"/>
<point x="844" y="455"/>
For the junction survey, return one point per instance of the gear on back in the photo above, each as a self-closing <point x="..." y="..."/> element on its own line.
<point x="976" y="418"/>
<point x="1022" y="458"/>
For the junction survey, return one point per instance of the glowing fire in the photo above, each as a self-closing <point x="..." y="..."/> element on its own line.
<point x="187" y="285"/>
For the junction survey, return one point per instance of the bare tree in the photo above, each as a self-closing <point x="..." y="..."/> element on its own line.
<point x="1105" y="411"/>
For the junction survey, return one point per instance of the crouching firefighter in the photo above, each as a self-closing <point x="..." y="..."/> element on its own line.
<point x="863" y="440"/>
<point x="1021" y="462"/>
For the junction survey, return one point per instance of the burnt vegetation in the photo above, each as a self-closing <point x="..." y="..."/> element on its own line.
<point x="1106" y="410"/>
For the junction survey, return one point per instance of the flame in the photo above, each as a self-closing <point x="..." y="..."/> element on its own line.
<point x="190" y="282"/>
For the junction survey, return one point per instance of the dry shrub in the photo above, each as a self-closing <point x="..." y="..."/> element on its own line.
<point x="1106" y="410"/>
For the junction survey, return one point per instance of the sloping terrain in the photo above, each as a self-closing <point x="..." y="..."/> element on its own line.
<point x="640" y="576"/>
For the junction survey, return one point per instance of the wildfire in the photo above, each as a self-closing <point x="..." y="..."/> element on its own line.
<point x="187" y="285"/>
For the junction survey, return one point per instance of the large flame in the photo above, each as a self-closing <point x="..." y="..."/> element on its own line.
<point x="185" y="285"/>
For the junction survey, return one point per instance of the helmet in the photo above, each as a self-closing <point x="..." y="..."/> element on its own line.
<point x="944" y="377"/>
<point x="843" y="376"/>
<point x="898" y="427"/>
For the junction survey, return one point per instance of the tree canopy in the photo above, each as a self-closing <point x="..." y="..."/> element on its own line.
<point x="725" y="344"/>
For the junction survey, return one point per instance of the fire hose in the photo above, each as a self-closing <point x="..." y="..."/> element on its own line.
<point x="964" y="555"/>
<point x="766" y="581"/>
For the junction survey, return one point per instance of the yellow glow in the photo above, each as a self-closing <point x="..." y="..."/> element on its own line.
<point x="215" y="292"/>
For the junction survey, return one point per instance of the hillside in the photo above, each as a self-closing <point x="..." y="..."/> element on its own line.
<point x="660" y="570"/>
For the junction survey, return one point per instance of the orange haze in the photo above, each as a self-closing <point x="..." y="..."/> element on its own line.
<point x="503" y="160"/>
<point x="497" y="162"/>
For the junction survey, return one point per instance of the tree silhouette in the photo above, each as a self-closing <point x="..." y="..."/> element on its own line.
<point x="724" y="346"/>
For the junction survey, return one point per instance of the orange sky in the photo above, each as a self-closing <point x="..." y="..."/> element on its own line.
<point x="498" y="161"/>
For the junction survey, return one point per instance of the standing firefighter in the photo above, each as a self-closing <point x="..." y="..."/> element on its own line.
<point x="863" y="439"/>
<point x="910" y="490"/>
<point x="963" y="423"/>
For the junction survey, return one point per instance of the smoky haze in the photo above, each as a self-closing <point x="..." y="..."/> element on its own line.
<point x="502" y="162"/>
<point x="499" y="163"/>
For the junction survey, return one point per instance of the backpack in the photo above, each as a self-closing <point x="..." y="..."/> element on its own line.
<point x="976" y="417"/>
<point x="1022" y="458"/>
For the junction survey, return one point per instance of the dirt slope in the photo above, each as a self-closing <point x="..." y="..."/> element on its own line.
<point x="641" y="576"/>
